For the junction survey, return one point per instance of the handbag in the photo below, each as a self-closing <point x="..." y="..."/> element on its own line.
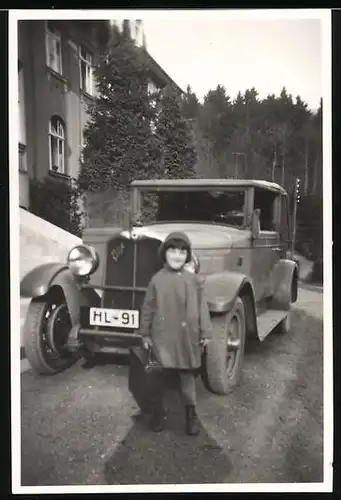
<point x="152" y="364"/>
<point x="146" y="378"/>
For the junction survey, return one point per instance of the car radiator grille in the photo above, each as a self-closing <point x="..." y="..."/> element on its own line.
<point x="129" y="264"/>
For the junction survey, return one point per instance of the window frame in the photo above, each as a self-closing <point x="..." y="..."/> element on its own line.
<point x="52" y="33"/>
<point x="21" y="105"/>
<point x="285" y="222"/>
<point x="82" y="146"/>
<point x="153" y="89"/>
<point x="88" y="64"/>
<point x="61" y="139"/>
<point x="22" y="159"/>
<point x="137" y="202"/>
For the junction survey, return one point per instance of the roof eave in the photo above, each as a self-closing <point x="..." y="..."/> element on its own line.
<point x="216" y="183"/>
<point x="161" y="73"/>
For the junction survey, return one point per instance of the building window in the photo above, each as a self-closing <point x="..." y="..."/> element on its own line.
<point x="21" y="104"/>
<point x="57" y="145"/>
<point x="86" y="71"/>
<point x="22" y="158"/>
<point x="53" y="49"/>
<point x="152" y="88"/>
<point x="82" y="146"/>
<point x="153" y="93"/>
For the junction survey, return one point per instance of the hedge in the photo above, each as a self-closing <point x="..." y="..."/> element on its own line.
<point x="58" y="202"/>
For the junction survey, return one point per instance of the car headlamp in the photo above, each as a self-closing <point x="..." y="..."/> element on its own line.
<point x="82" y="260"/>
<point x="194" y="265"/>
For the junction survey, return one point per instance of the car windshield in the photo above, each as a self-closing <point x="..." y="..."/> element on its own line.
<point x="220" y="207"/>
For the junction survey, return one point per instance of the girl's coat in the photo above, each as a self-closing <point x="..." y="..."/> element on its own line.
<point x="175" y="315"/>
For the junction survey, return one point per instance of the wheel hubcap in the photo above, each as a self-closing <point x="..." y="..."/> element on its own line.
<point x="233" y="343"/>
<point x="58" y="325"/>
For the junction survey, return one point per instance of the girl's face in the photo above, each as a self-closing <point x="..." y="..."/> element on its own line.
<point x="176" y="258"/>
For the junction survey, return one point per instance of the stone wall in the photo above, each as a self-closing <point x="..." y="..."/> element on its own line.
<point x="42" y="242"/>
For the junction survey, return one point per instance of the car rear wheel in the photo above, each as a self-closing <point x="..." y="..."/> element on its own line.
<point x="46" y="330"/>
<point x="225" y="353"/>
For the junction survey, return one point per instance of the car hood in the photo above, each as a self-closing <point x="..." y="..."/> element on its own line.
<point x="200" y="235"/>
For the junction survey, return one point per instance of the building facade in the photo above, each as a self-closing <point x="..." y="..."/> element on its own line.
<point x="56" y="84"/>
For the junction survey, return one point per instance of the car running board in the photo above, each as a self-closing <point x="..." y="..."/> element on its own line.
<point x="268" y="320"/>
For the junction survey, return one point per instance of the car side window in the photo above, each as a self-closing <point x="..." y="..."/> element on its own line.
<point x="265" y="202"/>
<point x="284" y="219"/>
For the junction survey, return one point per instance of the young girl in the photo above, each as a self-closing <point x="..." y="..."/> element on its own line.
<point x="175" y="323"/>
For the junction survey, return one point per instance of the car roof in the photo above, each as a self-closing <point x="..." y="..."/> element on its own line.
<point x="209" y="183"/>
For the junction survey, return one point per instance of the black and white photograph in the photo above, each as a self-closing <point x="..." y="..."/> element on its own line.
<point x="170" y="220"/>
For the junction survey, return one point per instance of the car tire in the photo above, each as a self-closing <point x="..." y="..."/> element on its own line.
<point x="220" y="373"/>
<point x="45" y="351"/>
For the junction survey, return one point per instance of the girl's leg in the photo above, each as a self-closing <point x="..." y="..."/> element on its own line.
<point x="188" y="391"/>
<point x="157" y="397"/>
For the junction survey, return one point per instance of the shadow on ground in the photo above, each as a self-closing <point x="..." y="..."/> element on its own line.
<point x="169" y="457"/>
<point x="103" y="359"/>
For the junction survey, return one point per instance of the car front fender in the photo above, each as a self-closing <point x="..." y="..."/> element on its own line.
<point x="38" y="281"/>
<point x="46" y="277"/>
<point x="222" y="289"/>
<point x="285" y="284"/>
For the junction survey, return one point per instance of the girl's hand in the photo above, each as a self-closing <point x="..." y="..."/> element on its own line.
<point x="204" y="342"/>
<point x="147" y="343"/>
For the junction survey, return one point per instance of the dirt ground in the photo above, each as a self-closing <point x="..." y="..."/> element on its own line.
<point x="78" y="427"/>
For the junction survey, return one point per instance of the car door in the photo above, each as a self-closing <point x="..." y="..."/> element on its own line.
<point x="266" y="250"/>
<point x="285" y="236"/>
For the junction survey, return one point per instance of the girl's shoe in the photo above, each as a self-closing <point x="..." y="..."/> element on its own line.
<point x="192" y="422"/>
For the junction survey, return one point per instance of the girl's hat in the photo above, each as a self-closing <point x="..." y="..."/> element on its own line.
<point x="176" y="240"/>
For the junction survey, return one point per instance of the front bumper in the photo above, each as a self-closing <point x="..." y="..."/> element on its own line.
<point x="97" y="339"/>
<point x="113" y="338"/>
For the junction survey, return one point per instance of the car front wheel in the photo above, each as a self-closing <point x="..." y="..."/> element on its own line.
<point x="46" y="330"/>
<point x="225" y="353"/>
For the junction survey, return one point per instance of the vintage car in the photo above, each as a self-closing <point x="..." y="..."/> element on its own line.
<point x="240" y="234"/>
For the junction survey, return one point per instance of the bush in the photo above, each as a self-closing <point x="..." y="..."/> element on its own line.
<point x="57" y="202"/>
<point x="309" y="235"/>
<point x="317" y="272"/>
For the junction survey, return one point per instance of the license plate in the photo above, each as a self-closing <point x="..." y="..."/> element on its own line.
<point x="121" y="318"/>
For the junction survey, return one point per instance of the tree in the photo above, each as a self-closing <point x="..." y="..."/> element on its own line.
<point x="207" y="166"/>
<point x="177" y="156"/>
<point x="190" y="104"/>
<point x="317" y="141"/>
<point x="308" y="138"/>
<point x="119" y="143"/>
<point x="216" y="124"/>
<point x="245" y="141"/>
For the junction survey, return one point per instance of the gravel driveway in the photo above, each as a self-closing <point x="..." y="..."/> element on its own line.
<point x="78" y="426"/>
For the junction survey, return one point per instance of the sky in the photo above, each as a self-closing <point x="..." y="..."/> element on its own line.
<point x="239" y="54"/>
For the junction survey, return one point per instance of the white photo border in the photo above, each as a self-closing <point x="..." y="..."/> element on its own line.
<point x="194" y="14"/>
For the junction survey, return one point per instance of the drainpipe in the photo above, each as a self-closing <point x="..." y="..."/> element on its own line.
<point x="34" y="124"/>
